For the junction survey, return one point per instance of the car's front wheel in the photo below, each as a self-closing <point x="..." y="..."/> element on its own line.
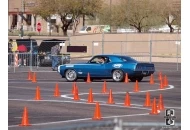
<point x="118" y="75"/>
<point x="71" y="75"/>
<point x="133" y="79"/>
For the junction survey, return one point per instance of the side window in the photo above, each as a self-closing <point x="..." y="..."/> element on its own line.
<point x="100" y="60"/>
<point x="107" y="60"/>
<point x="95" y="60"/>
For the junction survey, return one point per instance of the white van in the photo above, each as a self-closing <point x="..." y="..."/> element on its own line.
<point x="95" y="29"/>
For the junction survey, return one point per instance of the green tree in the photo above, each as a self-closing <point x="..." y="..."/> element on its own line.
<point x="139" y="14"/>
<point x="69" y="11"/>
<point x="113" y="15"/>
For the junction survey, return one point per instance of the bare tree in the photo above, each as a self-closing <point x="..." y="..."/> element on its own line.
<point x="170" y="12"/>
<point x="139" y="14"/>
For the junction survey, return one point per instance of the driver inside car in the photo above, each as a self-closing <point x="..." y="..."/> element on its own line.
<point x="101" y="60"/>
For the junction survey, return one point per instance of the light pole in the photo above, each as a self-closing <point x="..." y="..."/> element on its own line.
<point x="17" y="15"/>
<point x="83" y="15"/>
<point x="110" y="14"/>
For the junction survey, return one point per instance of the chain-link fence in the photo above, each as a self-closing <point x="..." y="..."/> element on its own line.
<point x="30" y="55"/>
<point x="26" y="54"/>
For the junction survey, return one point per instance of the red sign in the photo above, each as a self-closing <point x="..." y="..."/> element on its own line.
<point x="39" y="27"/>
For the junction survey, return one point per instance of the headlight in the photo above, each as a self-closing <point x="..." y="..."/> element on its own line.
<point x="58" y="69"/>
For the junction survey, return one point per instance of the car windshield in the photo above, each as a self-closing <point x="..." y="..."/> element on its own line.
<point x="127" y="59"/>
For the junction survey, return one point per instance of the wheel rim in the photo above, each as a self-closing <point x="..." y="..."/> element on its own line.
<point x="71" y="75"/>
<point x="117" y="75"/>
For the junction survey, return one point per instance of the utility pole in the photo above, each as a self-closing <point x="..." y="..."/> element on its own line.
<point x="83" y="15"/>
<point x="22" y="11"/>
<point x="110" y="15"/>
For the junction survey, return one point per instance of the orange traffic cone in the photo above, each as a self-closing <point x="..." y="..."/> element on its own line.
<point x="104" y="88"/>
<point x="97" y="112"/>
<point x="34" y="78"/>
<point x="160" y="75"/>
<point x="165" y="81"/>
<point x="88" y="78"/>
<point x="136" y="88"/>
<point x="76" y="96"/>
<point x="56" y="92"/>
<point x="161" y="84"/>
<point x="147" y="100"/>
<point x="110" y="98"/>
<point x="29" y="75"/>
<point x="25" y="121"/>
<point x="154" y="110"/>
<point x="161" y="103"/>
<point x="127" y="100"/>
<point x="151" y="79"/>
<point x="74" y="88"/>
<point x="37" y="96"/>
<point x="126" y="78"/>
<point x="90" y="96"/>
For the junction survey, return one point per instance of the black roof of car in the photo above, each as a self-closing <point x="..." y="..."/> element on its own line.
<point x="46" y="45"/>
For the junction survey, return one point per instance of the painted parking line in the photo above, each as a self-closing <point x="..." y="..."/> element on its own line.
<point x="77" y="102"/>
<point x="68" y="121"/>
<point x="149" y="90"/>
<point x="67" y="96"/>
<point x="49" y="81"/>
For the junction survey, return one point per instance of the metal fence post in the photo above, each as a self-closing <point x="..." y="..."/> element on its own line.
<point x="14" y="53"/>
<point x="92" y="48"/>
<point x="125" y="46"/>
<point x="121" y="47"/>
<point x="30" y="55"/>
<point x="150" y="51"/>
<point x="178" y="43"/>
<point x="177" y="57"/>
<point x="103" y="42"/>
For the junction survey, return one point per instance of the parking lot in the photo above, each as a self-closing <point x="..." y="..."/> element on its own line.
<point x="62" y="112"/>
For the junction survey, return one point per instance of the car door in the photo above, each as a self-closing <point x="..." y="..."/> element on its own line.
<point x="95" y="68"/>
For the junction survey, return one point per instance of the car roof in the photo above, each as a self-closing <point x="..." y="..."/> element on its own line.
<point x="46" y="45"/>
<point x="111" y="55"/>
<point x="118" y="57"/>
<point x="26" y="41"/>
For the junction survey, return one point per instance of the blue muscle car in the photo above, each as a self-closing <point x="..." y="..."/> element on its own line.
<point x="107" y="67"/>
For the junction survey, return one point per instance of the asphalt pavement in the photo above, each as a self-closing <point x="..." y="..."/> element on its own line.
<point x="51" y="113"/>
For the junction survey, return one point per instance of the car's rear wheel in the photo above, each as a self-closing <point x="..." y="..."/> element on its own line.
<point x="133" y="79"/>
<point x="118" y="75"/>
<point x="71" y="75"/>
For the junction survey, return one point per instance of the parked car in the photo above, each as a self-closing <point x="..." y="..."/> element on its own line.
<point x="44" y="53"/>
<point x="114" y="67"/>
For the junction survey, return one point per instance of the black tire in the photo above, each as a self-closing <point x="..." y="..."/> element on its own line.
<point x="71" y="75"/>
<point x="118" y="75"/>
<point x="133" y="79"/>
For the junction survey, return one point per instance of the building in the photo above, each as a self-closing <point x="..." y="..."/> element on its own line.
<point x="15" y="10"/>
